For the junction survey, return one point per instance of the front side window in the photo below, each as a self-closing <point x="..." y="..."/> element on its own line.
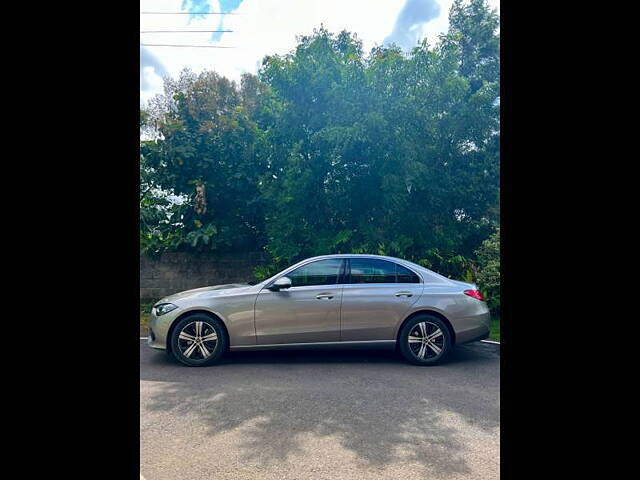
<point x="322" y="272"/>
<point x="372" y="270"/>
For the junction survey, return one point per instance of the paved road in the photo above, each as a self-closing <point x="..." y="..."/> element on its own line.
<point x="321" y="415"/>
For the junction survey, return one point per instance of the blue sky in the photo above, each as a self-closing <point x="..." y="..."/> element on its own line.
<point x="263" y="27"/>
<point x="198" y="7"/>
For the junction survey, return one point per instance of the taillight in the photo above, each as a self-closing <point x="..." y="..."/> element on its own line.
<point x="475" y="294"/>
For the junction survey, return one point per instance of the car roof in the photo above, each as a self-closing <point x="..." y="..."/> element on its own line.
<point x="364" y="255"/>
<point x="425" y="273"/>
<point x="407" y="263"/>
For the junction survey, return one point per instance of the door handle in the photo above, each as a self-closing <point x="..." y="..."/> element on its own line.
<point x="328" y="296"/>
<point x="406" y="294"/>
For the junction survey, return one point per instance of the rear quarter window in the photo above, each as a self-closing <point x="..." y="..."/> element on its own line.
<point x="373" y="270"/>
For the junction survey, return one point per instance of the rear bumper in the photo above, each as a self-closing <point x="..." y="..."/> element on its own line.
<point x="481" y="334"/>
<point x="473" y="328"/>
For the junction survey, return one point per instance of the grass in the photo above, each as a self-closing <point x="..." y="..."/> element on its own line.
<point x="495" y="329"/>
<point x="145" y="311"/>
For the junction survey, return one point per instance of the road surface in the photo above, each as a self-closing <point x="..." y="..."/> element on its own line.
<point x="321" y="415"/>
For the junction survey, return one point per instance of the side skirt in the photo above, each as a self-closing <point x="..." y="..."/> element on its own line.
<point x="366" y="344"/>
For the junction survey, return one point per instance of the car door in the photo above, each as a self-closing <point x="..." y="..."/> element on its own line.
<point x="308" y="311"/>
<point x="376" y="296"/>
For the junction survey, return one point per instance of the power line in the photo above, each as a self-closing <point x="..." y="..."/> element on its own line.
<point x="185" y="31"/>
<point x="188" y="13"/>
<point x="170" y="45"/>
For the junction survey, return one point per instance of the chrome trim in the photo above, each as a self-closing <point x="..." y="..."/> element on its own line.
<point x="313" y="344"/>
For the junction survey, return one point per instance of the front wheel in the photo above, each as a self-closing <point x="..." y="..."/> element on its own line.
<point x="425" y="340"/>
<point x="198" y="340"/>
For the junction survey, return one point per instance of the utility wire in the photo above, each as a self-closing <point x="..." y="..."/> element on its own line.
<point x="170" y="45"/>
<point x="187" y="13"/>
<point x="185" y="31"/>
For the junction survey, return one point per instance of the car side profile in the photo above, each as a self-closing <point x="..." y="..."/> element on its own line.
<point x="330" y="301"/>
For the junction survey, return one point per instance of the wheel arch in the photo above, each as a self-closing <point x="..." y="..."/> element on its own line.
<point x="191" y="312"/>
<point x="430" y="312"/>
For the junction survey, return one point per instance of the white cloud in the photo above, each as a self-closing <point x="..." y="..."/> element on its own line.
<point x="407" y="31"/>
<point x="264" y="27"/>
<point x="440" y="25"/>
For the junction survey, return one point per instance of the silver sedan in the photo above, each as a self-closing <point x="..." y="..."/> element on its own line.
<point x="331" y="301"/>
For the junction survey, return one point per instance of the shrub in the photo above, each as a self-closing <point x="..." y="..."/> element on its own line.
<point x="489" y="270"/>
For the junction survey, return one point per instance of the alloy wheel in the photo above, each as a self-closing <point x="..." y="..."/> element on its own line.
<point x="426" y="340"/>
<point x="197" y="340"/>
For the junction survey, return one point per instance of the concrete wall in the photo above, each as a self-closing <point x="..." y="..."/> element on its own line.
<point x="174" y="272"/>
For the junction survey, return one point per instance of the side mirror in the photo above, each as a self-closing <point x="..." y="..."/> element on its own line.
<point x="281" y="283"/>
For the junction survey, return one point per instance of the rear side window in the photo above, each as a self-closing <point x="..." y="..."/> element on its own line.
<point x="373" y="270"/>
<point x="405" y="275"/>
<point x="322" y="272"/>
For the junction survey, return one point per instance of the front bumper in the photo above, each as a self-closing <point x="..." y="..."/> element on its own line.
<point x="159" y="328"/>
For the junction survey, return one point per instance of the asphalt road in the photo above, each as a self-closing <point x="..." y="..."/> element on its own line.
<point x="321" y="415"/>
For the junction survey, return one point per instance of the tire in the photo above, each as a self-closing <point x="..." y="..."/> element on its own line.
<point x="194" y="353"/>
<point x="418" y="351"/>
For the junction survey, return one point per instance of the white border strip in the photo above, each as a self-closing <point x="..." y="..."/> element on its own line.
<point x="144" y="338"/>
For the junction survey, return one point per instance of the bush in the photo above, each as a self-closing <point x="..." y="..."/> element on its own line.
<point x="489" y="271"/>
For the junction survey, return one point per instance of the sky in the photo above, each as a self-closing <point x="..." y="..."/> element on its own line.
<point x="267" y="27"/>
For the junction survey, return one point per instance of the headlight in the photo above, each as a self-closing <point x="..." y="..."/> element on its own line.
<point x="163" y="308"/>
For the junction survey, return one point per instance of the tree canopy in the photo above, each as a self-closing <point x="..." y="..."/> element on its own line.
<point x="331" y="150"/>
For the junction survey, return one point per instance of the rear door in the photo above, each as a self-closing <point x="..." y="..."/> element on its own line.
<point x="376" y="296"/>
<point x="308" y="311"/>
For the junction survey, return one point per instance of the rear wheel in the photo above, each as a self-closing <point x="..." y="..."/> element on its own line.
<point x="425" y="340"/>
<point x="198" y="340"/>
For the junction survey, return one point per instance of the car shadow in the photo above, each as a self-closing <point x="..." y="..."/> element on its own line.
<point x="378" y="406"/>
<point x="460" y="354"/>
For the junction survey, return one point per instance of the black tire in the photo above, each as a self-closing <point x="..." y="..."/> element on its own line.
<point x="183" y="349"/>
<point x="432" y="324"/>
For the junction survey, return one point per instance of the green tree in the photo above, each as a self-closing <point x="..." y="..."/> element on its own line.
<point x="205" y="151"/>
<point x="391" y="153"/>
<point x="331" y="150"/>
<point x="473" y="27"/>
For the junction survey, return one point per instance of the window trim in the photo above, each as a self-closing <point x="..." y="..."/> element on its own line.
<point x="347" y="276"/>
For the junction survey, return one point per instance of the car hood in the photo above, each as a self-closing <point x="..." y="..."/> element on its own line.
<point x="208" y="292"/>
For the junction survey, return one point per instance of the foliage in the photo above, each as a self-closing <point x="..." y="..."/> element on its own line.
<point x="206" y="138"/>
<point x="495" y="329"/>
<point x="331" y="150"/>
<point x="392" y="153"/>
<point x="159" y="216"/>
<point x="450" y="264"/>
<point x="489" y="270"/>
<point x="263" y="272"/>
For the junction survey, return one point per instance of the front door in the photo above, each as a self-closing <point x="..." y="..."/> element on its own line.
<point x="376" y="296"/>
<point x="308" y="311"/>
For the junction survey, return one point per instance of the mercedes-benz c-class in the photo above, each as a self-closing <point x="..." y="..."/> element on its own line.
<point x="331" y="301"/>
